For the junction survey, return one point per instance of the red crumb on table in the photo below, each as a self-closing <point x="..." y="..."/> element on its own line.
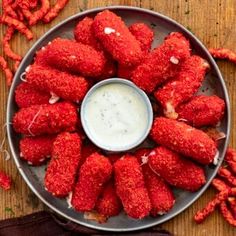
<point x="160" y="194"/>
<point x="62" y="84"/>
<point x="201" y="215"/>
<point x="223" y="53"/>
<point x="162" y="63"/>
<point x="54" y="11"/>
<point x="46" y="119"/>
<point x="230" y="159"/>
<point x="116" y="38"/>
<point x="5" y="181"/>
<point x="183" y="86"/>
<point x="184" y="139"/>
<point x="93" y="174"/>
<point x="108" y="204"/>
<point x="61" y="172"/>
<point x="202" y="110"/>
<point x="35" y="150"/>
<point x="175" y="170"/>
<point x="74" y="57"/>
<point x="130" y="187"/>
<point x="27" y="95"/>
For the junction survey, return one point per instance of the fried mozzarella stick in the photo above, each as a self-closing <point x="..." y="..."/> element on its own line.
<point x="184" y="139"/>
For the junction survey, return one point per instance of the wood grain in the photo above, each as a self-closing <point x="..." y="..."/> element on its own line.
<point x="213" y="22"/>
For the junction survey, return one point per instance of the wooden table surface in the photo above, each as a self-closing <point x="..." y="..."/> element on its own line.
<point x="214" y="23"/>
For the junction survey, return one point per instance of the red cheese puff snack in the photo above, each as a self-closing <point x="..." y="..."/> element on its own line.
<point x="8" y="73"/>
<point x="35" y="150"/>
<point x="183" y="86"/>
<point x="116" y="38"/>
<point x="69" y="87"/>
<point x="61" y="172"/>
<point x="162" y="63"/>
<point x="74" y="57"/>
<point x="108" y="203"/>
<point x="93" y="174"/>
<point x="175" y="170"/>
<point x="160" y="194"/>
<point x="184" y="139"/>
<point x="230" y="159"/>
<point x="130" y="187"/>
<point x="46" y="119"/>
<point x="223" y="53"/>
<point x="26" y="95"/>
<point x="202" y="110"/>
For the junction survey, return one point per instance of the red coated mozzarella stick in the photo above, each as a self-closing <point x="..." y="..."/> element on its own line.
<point x="27" y="95"/>
<point x="183" y="86"/>
<point x="162" y="63"/>
<point x="160" y="194"/>
<point x="116" y="38"/>
<point x="93" y="174"/>
<point x="74" y="57"/>
<point x="61" y="171"/>
<point x="62" y="84"/>
<point x="184" y="139"/>
<point x="202" y="110"/>
<point x="175" y="170"/>
<point x="35" y="150"/>
<point x="130" y="187"/>
<point x="84" y="34"/>
<point x="46" y="119"/>
<point x="108" y="204"/>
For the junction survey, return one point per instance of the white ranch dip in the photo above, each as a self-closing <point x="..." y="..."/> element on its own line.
<point x="116" y="116"/>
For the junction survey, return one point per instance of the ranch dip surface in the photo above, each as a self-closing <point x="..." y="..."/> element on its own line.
<point x="116" y="116"/>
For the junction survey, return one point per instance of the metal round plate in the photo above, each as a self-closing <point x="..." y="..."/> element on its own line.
<point x="214" y="84"/>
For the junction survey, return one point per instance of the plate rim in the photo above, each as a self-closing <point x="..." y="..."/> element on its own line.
<point x="84" y="13"/>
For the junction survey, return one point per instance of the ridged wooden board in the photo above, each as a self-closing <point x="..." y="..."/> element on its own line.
<point x="213" y="22"/>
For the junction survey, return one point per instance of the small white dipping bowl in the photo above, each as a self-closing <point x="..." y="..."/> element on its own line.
<point x="90" y="129"/>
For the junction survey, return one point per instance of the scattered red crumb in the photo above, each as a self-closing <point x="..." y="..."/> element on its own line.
<point x="5" y="181"/>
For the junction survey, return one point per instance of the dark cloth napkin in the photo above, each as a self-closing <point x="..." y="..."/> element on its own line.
<point x="48" y="224"/>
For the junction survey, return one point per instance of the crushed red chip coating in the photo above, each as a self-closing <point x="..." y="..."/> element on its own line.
<point x="184" y="139"/>
<point x="201" y="215"/>
<point x="54" y="11"/>
<point x="67" y="86"/>
<point x="74" y="57"/>
<point x="46" y="119"/>
<point x="162" y="63"/>
<point x="144" y="34"/>
<point x="227" y="214"/>
<point x="130" y="187"/>
<point x="160" y="194"/>
<point x="5" y="181"/>
<point x="20" y="26"/>
<point x="35" y="150"/>
<point x="93" y="174"/>
<point x="108" y="203"/>
<point x="61" y="172"/>
<point x="230" y="159"/>
<point x="175" y="170"/>
<point x="83" y="33"/>
<point x="227" y="175"/>
<point x="202" y="110"/>
<point x="223" y="53"/>
<point x="116" y="38"/>
<point x="26" y="95"/>
<point x="183" y="86"/>
<point x="6" y="45"/>
<point x="6" y="70"/>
